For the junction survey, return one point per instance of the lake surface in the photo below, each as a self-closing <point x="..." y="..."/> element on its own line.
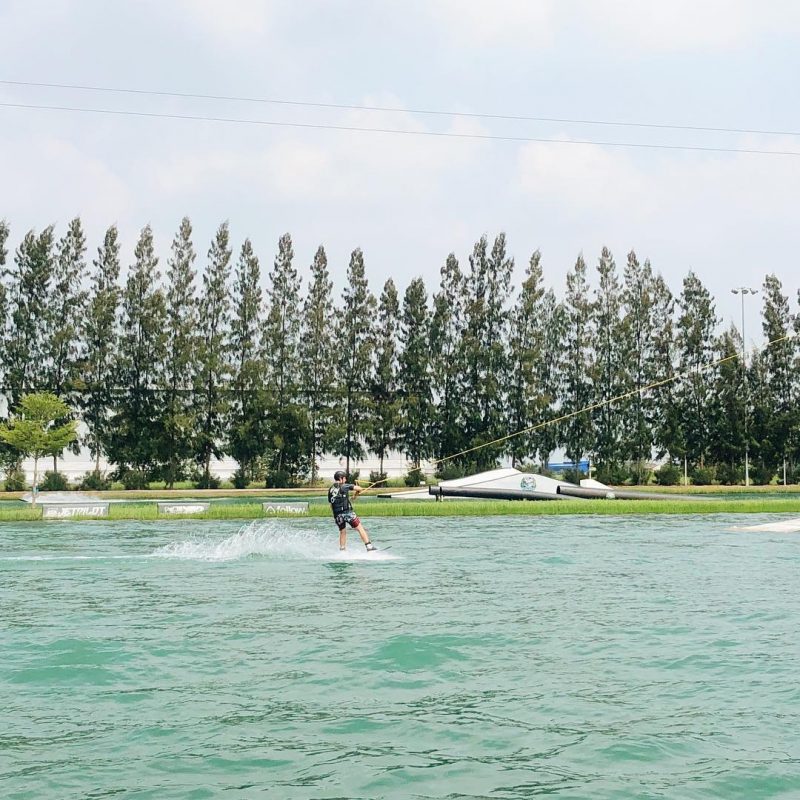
<point x="583" y="657"/>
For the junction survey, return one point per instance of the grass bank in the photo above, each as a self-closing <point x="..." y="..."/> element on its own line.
<point x="454" y="508"/>
<point x="791" y="489"/>
<point x="185" y="494"/>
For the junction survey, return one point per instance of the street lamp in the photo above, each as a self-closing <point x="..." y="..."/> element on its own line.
<point x="743" y="290"/>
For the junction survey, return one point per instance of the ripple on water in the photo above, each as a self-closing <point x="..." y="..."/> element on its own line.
<point x="602" y="658"/>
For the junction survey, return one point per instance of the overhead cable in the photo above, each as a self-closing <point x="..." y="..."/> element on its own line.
<point x="398" y="131"/>
<point x="397" y="110"/>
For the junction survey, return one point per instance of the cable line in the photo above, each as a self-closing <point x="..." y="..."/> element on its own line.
<point x="396" y="110"/>
<point x="358" y="129"/>
<point x="602" y="403"/>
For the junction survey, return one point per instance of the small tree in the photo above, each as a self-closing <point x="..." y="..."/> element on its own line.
<point x="34" y="433"/>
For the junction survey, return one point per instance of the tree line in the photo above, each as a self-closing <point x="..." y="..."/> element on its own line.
<point x="181" y="361"/>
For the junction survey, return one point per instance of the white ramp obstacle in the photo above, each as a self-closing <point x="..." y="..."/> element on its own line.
<point x="496" y="480"/>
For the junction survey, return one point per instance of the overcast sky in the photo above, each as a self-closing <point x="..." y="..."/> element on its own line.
<point x="410" y="200"/>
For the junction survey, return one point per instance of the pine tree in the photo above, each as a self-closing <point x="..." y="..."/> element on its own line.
<point x="382" y="431"/>
<point x="355" y="347"/>
<point x="485" y="356"/>
<point x="545" y="438"/>
<point x="4" y="232"/>
<point x="606" y="364"/>
<point x="447" y="329"/>
<point x="66" y="314"/>
<point x="67" y="310"/>
<point x="665" y="424"/>
<point x="414" y="381"/>
<point x="471" y="357"/>
<point x="248" y="434"/>
<point x="794" y="434"/>
<point x="100" y="334"/>
<point x="695" y="338"/>
<point x="760" y="415"/>
<point x="317" y="362"/>
<point x="176" y="388"/>
<point x="29" y="293"/>
<point x="212" y="367"/>
<point x="728" y="436"/>
<point x="137" y="424"/>
<point x="526" y="400"/>
<point x="640" y="363"/>
<point x="501" y="268"/>
<point x="576" y="386"/>
<point x="779" y="363"/>
<point x="281" y="350"/>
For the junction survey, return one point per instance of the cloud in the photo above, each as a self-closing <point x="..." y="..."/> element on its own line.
<point x="731" y="218"/>
<point x="476" y="22"/>
<point x="581" y="178"/>
<point x="604" y="182"/>
<point x="623" y="25"/>
<point x="229" y="23"/>
<point x="24" y="24"/>
<point x="683" y="25"/>
<point x="54" y="180"/>
<point x="328" y="165"/>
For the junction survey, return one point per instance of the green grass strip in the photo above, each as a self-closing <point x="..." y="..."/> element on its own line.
<point x="472" y="508"/>
<point x="450" y="508"/>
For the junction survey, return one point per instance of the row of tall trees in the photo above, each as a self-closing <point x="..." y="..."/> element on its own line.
<point x="185" y="360"/>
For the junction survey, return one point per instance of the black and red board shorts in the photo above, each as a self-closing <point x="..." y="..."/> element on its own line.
<point x="350" y="517"/>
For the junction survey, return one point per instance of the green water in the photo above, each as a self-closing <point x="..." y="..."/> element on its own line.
<point x="652" y="657"/>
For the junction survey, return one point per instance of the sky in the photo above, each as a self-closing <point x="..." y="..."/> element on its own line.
<point x="409" y="200"/>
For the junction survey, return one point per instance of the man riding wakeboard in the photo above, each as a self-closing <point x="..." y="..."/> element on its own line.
<point x="338" y="497"/>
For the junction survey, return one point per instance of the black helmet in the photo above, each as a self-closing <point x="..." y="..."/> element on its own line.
<point x="339" y="474"/>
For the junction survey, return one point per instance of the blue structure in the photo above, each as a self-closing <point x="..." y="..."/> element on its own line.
<point x="583" y="466"/>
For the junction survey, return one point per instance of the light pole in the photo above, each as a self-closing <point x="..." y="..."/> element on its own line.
<point x="743" y="290"/>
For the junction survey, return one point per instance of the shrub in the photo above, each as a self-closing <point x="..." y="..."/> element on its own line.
<point x="240" y="480"/>
<point x="53" y="482"/>
<point x="450" y="471"/>
<point x="376" y="477"/>
<point x="212" y="482"/>
<point x="612" y="474"/>
<point x="573" y="475"/>
<point x="761" y="474"/>
<point x="15" y="480"/>
<point x="668" y="475"/>
<point x="703" y="476"/>
<point x="413" y="478"/>
<point x="277" y="479"/>
<point x="639" y="474"/>
<point x="133" y="479"/>
<point x="95" y="481"/>
<point x="536" y="469"/>
<point x="730" y="475"/>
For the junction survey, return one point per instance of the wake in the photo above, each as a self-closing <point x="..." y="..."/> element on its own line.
<point x="782" y="526"/>
<point x="71" y="558"/>
<point x="269" y="538"/>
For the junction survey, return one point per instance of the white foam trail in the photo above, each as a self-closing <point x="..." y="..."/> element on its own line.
<point x="71" y="558"/>
<point x="784" y="526"/>
<point x="268" y="538"/>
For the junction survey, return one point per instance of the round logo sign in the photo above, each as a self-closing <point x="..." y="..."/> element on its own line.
<point x="528" y="482"/>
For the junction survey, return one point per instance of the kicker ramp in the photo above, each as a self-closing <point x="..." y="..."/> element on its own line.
<point x="507" y="483"/>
